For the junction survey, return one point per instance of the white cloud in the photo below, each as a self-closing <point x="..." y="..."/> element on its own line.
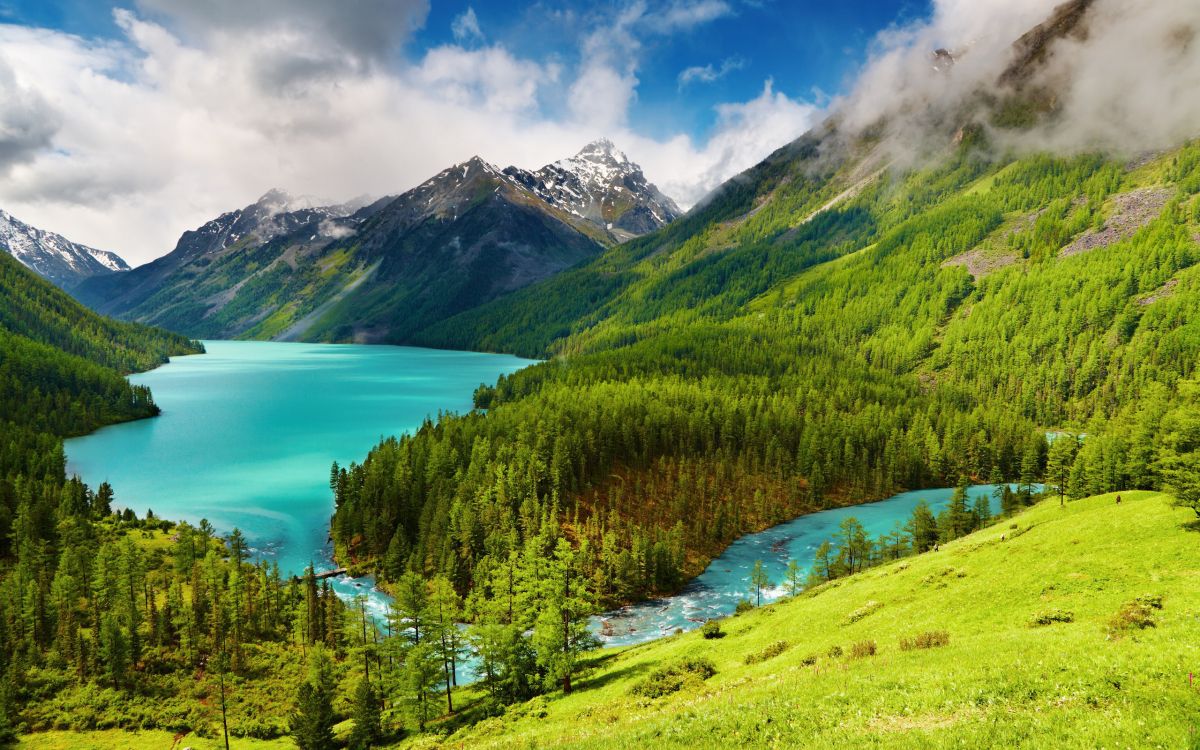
<point x="186" y="116"/>
<point x="27" y="121"/>
<point x="687" y="15"/>
<point x="745" y="134"/>
<point x="710" y="73"/>
<point x="362" y="29"/>
<point x="466" y="27"/>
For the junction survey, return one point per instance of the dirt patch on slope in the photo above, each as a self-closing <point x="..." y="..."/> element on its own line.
<point x="980" y="262"/>
<point x="1131" y="211"/>
<point x="1164" y="291"/>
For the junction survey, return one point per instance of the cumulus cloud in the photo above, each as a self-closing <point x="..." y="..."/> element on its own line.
<point x="745" y="134"/>
<point x="125" y="143"/>
<point x="27" y="121"/>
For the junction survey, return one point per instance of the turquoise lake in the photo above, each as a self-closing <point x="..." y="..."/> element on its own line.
<point x="249" y="430"/>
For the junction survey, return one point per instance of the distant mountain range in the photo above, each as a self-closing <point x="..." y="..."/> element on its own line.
<point x="381" y="271"/>
<point x="53" y="256"/>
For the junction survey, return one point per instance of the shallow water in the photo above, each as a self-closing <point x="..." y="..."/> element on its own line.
<point x="716" y="591"/>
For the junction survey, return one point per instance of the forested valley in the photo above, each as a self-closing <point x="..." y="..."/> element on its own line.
<point x="764" y="387"/>
<point x="767" y="356"/>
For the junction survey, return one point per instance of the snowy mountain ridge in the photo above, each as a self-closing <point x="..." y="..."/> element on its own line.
<point x="53" y="256"/>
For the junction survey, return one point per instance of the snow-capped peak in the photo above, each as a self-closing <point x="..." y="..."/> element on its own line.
<point x="602" y="185"/>
<point x="53" y="256"/>
<point x="602" y="150"/>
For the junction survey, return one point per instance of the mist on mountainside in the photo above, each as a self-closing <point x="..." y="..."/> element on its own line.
<point x="1116" y="76"/>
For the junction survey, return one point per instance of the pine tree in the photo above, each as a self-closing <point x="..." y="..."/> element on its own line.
<point x="1179" y="456"/>
<point x="923" y="528"/>
<point x="114" y="649"/>
<point x="368" y="729"/>
<point x="795" y="578"/>
<point x="560" y="633"/>
<point x="410" y="607"/>
<point x="854" y="547"/>
<point x="1058" y="465"/>
<point x="982" y="510"/>
<point x="445" y="609"/>
<point x="759" y="580"/>
<point x="421" y="672"/>
<point x="957" y="520"/>
<point x="823" y="563"/>
<point x="102" y="503"/>
<point x="1031" y="468"/>
<point x="313" y="719"/>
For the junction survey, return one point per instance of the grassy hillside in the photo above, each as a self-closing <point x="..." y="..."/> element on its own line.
<point x="1001" y="681"/>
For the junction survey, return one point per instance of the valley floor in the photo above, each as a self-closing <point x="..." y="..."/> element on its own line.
<point x="1107" y="671"/>
<point x="1001" y="681"/>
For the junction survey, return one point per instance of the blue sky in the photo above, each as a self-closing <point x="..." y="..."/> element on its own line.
<point x="137" y="121"/>
<point x="808" y="48"/>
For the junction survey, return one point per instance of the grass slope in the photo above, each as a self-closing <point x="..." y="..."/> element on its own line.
<point x="1000" y="682"/>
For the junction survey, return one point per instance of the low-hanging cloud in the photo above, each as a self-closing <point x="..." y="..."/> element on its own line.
<point x="1123" y="80"/>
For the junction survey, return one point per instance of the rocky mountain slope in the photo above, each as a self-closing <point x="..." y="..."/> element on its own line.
<point x="384" y="271"/>
<point x="53" y="256"/>
<point x="601" y="185"/>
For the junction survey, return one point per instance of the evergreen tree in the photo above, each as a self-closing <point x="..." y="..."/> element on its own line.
<point x="1031" y="469"/>
<point x="102" y="504"/>
<point x="445" y="608"/>
<point x="313" y="719"/>
<point x="854" y="546"/>
<point x="560" y="632"/>
<point x="1059" y="462"/>
<point x="1179" y="456"/>
<point x="957" y="520"/>
<point x="923" y="528"/>
<point x="982" y="511"/>
<point x="758" y="581"/>
<point x="114" y="649"/>
<point x="421" y="673"/>
<point x="368" y="729"/>
<point x="795" y="578"/>
<point x="823" y="563"/>
<point x="410" y="607"/>
<point x="237" y="546"/>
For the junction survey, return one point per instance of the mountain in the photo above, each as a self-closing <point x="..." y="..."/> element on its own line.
<point x="601" y="185"/>
<point x="53" y="256"/>
<point x="384" y="271"/>
<point x="268" y="238"/>
<point x="836" y="324"/>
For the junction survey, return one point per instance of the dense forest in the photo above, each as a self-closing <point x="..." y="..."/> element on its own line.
<point x="819" y="333"/>
<point x="810" y="340"/>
